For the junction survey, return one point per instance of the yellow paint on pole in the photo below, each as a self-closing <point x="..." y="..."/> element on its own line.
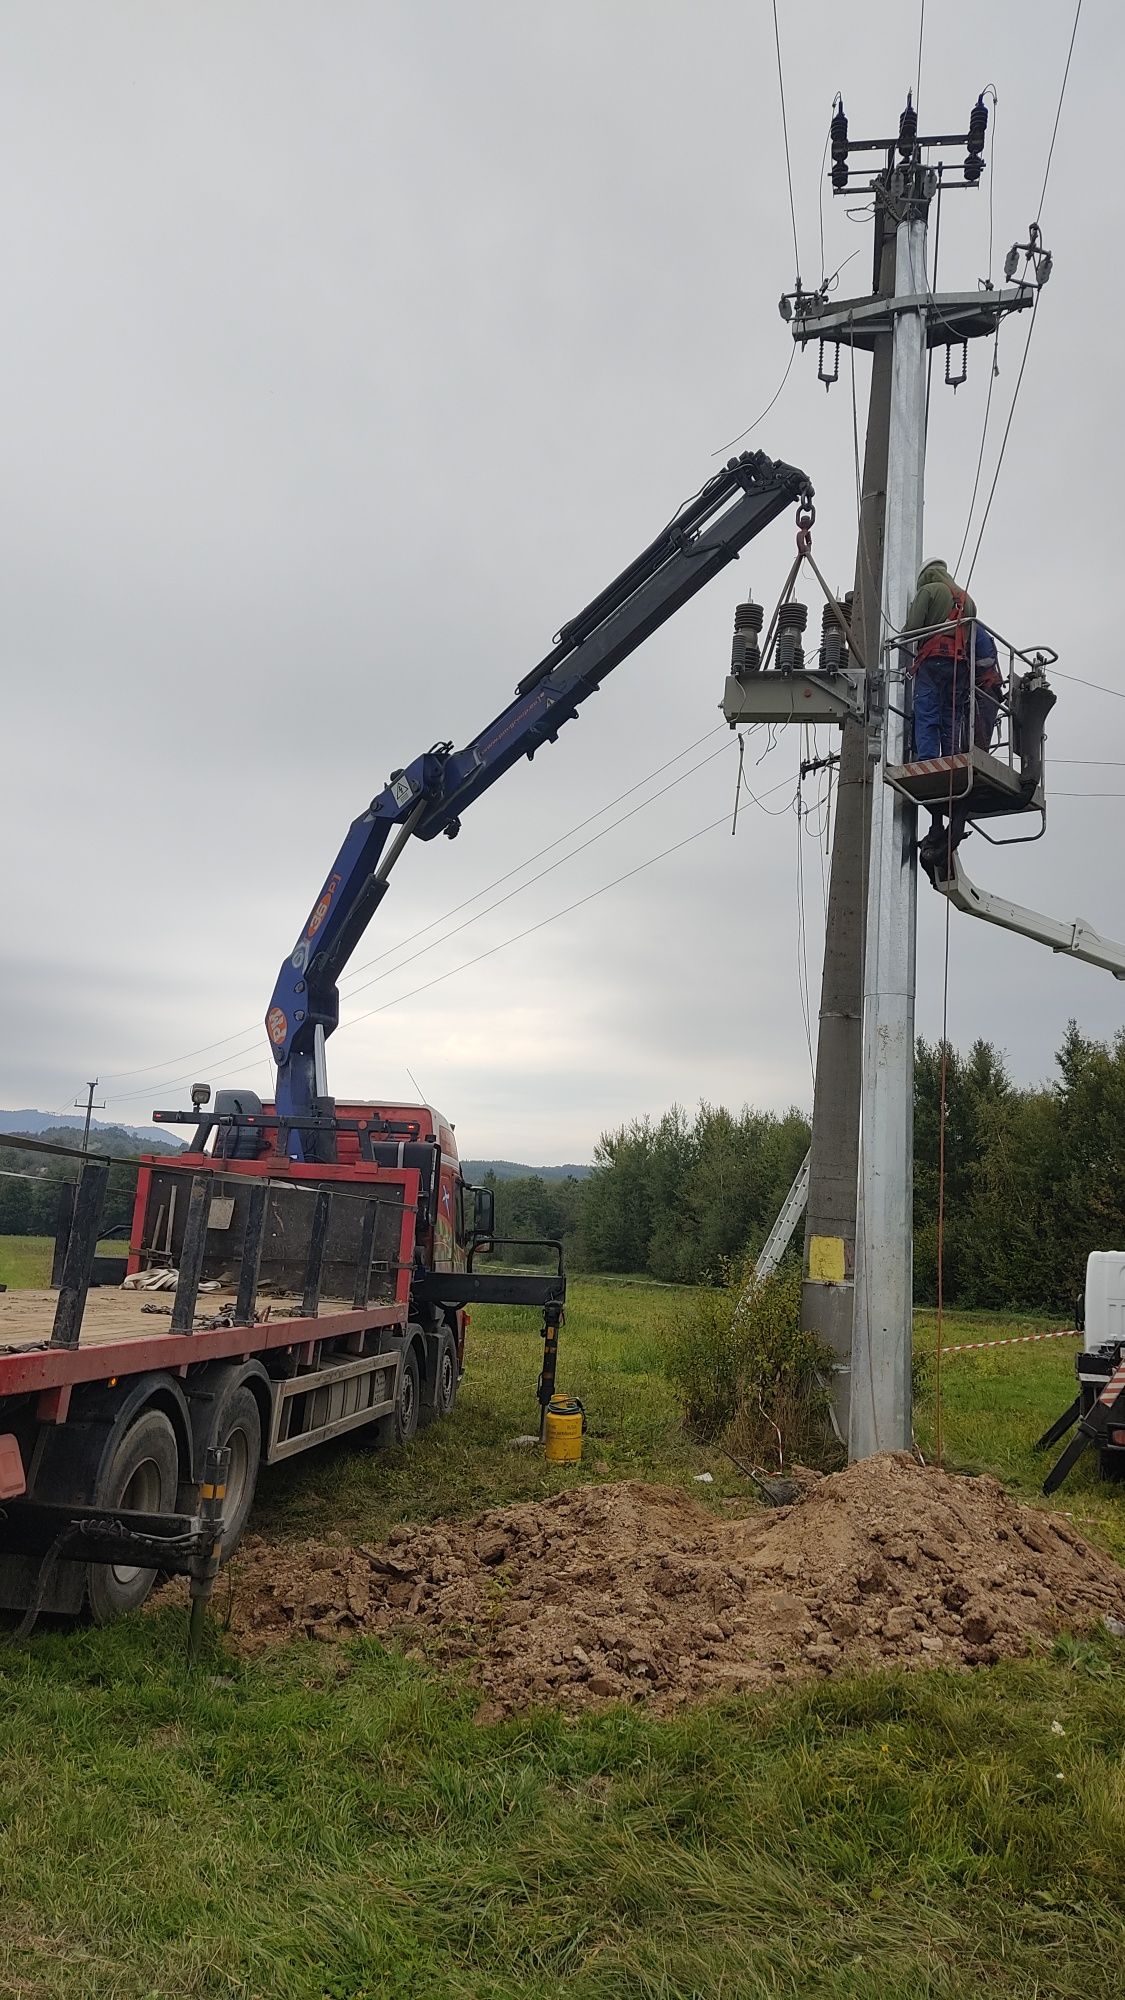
<point x="826" y="1259"/>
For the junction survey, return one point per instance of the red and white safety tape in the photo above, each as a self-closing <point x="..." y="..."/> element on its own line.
<point x="1114" y="1386"/>
<point x="1016" y="1340"/>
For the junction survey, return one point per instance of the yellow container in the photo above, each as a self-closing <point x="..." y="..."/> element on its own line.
<point x="562" y="1430"/>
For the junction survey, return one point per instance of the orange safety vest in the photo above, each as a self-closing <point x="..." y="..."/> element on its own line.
<point x="945" y="645"/>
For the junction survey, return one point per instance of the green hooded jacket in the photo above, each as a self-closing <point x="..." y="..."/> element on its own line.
<point x="933" y="599"/>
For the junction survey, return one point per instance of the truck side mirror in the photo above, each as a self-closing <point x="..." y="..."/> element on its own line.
<point x="484" y="1215"/>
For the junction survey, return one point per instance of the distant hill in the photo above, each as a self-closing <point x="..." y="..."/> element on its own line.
<point x="36" y="1123"/>
<point x="512" y="1170"/>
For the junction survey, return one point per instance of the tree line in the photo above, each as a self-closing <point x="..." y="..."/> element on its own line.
<point x="673" y="1198"/>
<point x="31" y="1183"/>
<point x="1034" y="1180"/>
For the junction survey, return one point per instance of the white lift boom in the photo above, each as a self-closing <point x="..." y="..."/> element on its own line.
<point x="1077" y="940"/>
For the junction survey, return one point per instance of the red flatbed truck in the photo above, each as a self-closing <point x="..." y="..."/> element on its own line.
<point x="311" y="1300"/>
<point x="322" y="1254"/>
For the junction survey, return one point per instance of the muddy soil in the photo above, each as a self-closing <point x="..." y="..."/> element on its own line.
<point x="635" y="1592"/>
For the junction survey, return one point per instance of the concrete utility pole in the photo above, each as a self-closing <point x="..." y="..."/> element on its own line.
<point x="830" y="1223"/>
<point x="89" y="1108"/>
<point x="880" y="1416"/>
<point x="859" y="1235"/>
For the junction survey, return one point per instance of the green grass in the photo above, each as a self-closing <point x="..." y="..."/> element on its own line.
<point x="609" y="1355"/>
<point x="25" y="1261"/>
<point x="281" y="1830"/>
<point x="327" y="1825"/>
<point x="995" y="1405"/>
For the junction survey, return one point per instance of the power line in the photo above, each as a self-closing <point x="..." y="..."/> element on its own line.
<point x="237" y="1056"/>
<point x="781" y="810"/>
<point x="918" y="68"/>
<point x="1035" y="306"/>
<point x="236" y="1066"/>
<point x="1099" y="686"/>
<point x="560" y="863"/>
<point x="765" y="412"/>
<point x="173" y="1062"/>
<point x="228" y="1065"/>
<point x="170" y="1083"/>
<point x="1004" y="440"/>
<point x="785" y="136"/>
<point x="993" y="373"/>
<point x="719" y="729"/>
<point x="1058" y="114"/>
<point x="545" y="921"/>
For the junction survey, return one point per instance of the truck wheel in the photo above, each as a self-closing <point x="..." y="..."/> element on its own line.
<point x="438" y="1401"/>
<point x="407" y="1400"/>
<point x="141" y="1473"/>
<point x="238" y="1425"/>
<point x="448" y="1377"/>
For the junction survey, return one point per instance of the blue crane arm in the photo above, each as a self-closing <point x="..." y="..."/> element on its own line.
<point x="429" y="796"/>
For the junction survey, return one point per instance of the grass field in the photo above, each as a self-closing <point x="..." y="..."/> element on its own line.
<point x="25" y="1261"/>
<point x="332" y="1826"/>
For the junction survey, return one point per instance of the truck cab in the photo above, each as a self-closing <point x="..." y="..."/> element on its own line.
<point x="378" y="1143"/>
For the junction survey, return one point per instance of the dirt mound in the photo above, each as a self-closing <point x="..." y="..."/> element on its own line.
<point x="633" y="1591"/>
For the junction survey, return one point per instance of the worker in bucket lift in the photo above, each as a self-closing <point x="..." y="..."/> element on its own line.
<point x="941" y="685"/>
<point x="989" y="686"/>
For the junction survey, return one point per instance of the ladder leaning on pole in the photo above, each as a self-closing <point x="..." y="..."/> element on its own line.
<point x="792" y="1209"/>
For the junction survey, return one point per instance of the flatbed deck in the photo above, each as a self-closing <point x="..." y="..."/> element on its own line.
<point x="119" y="1337"/>
<point x="116" y="1313"/>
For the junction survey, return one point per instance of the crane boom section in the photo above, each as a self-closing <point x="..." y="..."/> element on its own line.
<point x="429" y="795"/>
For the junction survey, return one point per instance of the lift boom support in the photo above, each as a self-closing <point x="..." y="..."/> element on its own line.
<point x="429" y="796"/>
<point x="1077" y="939"/>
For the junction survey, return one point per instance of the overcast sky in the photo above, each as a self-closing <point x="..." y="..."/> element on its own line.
<point x="351" y="348"/>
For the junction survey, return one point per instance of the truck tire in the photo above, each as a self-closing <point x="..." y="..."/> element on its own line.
<point x="447" y="1378"/>
<point x="439" y="1389"/>
<point x="141" y="1472"/>
<point x="408" y="1399"/>
<point x="238" y="1425"/>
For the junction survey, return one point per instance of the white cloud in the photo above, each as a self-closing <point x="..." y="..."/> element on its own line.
<point x="348" y="355"/>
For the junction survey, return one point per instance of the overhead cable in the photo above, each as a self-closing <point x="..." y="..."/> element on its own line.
<point x="1004" y="440"/>
<point x="765" y="413"/>
<point x="519" y="890"/>
<point x="173" y="1062"/>
<point x="993" y="373"/>
<point x="1035" y="305"/>
<point x="1058" y="114"/>
<point x="785" y="137"/>
<point x="532" y="929"/>
<point x="170" y="1083"/>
